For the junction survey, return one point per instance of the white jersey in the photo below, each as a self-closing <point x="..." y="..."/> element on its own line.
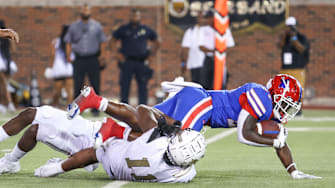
<point x="196" y="57"/>
<point x="61" y="68"/>
<point x="141" y="161"/>
<point x="3" y="64"/>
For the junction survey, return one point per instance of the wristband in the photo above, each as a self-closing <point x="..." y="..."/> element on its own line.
<point x="294" y="38"/>
<point x="276" y="143"/>
<point x="182" y="64"/>
<point x="289" y="166"/>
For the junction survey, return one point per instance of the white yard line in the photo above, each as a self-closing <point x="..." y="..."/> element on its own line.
<point x="220" y="136"/>
<point x="314" y="119"/>
<point x="115" y="184"/>
<point x="5" y="150"/>
<point x="310" y="129"/>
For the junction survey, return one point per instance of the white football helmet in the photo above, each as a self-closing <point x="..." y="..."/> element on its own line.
<point x="186" y="148"/>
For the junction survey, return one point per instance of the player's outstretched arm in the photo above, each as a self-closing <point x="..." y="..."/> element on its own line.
<point x="78" y="160"/>
<point x="285" y="157"/>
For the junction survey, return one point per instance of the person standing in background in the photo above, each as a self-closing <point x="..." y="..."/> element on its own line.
<point x="135" y="56"/>
<point x="207" y="45"/>
<point x="6" y="45"/>
<point x="62" y="70"/>
<point x="85" y="38"/>
<point x="294" y="52"/>
<point x="191" y="53"/>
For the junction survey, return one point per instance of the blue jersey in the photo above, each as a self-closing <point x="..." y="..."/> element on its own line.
<point x="195" y="107"/>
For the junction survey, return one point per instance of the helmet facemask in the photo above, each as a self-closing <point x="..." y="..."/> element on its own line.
<point x="285" y="108"/>
<point x="186" y="147"/>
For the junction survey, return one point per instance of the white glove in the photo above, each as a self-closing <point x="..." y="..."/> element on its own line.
<point x="280" y="141"/>
<point x="300" y="175"/>
<point x="52" y="168"/>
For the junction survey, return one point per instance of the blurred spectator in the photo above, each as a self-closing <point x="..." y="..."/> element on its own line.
<point x="9" y="34"/>
<point x="62" y="70"/>
<point x="135" y="56"/>
<point x="294" y="51"/>
<point x="191" y="56"/>
<point x="6" y="45"/>
<point x="85" y="38"/>
<point x="207" y="45"/>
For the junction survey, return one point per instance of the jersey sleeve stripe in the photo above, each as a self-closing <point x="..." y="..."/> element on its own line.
<point x="196" y="112"/>
<point x="258" y="101"/>
<point x="253" y="104"/>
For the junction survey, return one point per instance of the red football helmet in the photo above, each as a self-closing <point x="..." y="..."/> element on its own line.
<point x="286" y="93"/>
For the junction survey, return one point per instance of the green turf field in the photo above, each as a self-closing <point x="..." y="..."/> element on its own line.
<point x="227" y="163"/>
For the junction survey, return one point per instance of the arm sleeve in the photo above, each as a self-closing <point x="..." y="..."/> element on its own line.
<point x="258" y="103"/>
<point x="186" y="42"/>
<point x="117" y="34"/>
<point x="151" y="34"/>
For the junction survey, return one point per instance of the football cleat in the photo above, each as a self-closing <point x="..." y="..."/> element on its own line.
<point x="87" y="99"/>
<point x="9" y="167"/>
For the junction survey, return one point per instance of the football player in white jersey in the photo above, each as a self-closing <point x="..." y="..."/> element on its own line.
<point x="162" y="154"/>
<point x="159" y="164"/>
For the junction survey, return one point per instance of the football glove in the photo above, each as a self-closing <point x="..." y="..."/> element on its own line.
<point x="52" y="168"/>
<point x="280" y="141"/>
<point x="300" y="175"/>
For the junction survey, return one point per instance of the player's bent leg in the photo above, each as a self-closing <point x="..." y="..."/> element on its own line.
<point x="17" y="124"/>
<point x="10" y="162"/>
<point x="87" y="99"/>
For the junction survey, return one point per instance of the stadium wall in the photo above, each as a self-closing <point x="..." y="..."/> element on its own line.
<point x="255" y="57"/>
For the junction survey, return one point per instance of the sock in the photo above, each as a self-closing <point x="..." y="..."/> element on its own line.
<point x="16" y="154"/>
<point x="3" y="134"/>
<point x="110" y="129"/>
<point x="103" y="104"/>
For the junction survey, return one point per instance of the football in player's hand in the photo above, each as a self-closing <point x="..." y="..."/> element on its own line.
<point x="268" y="128"/>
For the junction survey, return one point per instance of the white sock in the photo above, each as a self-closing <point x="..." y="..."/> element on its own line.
<point x="103" y="104"/>
<point x="16" y="154"/>
<point x="3" y="134"/>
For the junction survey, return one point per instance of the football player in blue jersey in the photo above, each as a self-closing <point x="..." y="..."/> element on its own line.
<point x="195" y="107"/>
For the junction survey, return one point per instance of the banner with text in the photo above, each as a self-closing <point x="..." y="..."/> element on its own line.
<point x="242" y="13"/>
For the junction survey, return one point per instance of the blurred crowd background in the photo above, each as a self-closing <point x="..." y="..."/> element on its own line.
<point x="254" y="58"/>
